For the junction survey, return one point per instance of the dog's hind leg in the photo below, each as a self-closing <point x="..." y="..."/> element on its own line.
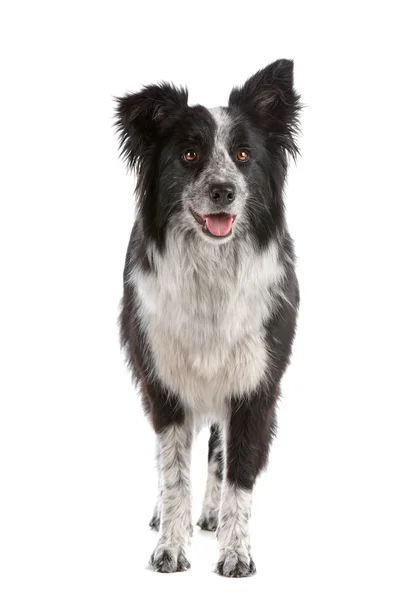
<point x="155" y="520"/>
<point x="212" y="498"/>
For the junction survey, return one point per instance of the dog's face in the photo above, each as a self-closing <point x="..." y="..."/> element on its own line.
<point x="215" y="173"/>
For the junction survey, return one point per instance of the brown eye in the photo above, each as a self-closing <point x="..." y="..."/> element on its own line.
<point x="190" y="155"/>
<point x="242" y="155"/>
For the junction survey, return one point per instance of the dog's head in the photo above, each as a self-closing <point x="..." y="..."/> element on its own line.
<point x="216" y="173"/>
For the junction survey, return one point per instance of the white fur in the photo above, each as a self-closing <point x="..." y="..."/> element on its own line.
<point x="203" y="313"/>
<point x="155" y="521"/>
<point x="176" y="525"/>
<point x="222" y="163"/>
<point x="233" y="528"/>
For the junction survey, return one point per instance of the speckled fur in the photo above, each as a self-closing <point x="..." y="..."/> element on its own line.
<point x="175" y="502"/>
<point x="202" y="310"/>
<point x="212" y="498"/>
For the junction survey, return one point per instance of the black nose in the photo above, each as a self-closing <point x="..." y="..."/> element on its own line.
<point x="222" y="193"/>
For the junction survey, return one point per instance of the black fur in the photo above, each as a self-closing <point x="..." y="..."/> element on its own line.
<point x="214" y="449"/>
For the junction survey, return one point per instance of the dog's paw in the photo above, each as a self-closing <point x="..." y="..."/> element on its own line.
<point x="208" y="520"/>
<point x="169" y="559"/>
<point x="234" y="564"/>
<point x="155" y="522"/>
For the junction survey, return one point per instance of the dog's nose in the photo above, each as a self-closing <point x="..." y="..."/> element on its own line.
<point x="222" y="193"/>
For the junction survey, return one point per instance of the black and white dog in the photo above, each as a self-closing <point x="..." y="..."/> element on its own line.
<point x="210" y="295"/>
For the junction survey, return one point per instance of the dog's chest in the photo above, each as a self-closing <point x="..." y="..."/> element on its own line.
<point x="204" y="319"/>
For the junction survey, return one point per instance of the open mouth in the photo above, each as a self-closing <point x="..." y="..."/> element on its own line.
<point x="215" y="225"/>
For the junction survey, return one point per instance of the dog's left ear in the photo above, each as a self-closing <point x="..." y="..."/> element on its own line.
<point x="269" y="97"/>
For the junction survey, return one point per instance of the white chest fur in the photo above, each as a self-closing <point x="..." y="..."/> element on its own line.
<point x="203" y="313"/>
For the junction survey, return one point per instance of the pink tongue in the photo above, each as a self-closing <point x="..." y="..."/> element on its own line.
<point x="219" y="224"/>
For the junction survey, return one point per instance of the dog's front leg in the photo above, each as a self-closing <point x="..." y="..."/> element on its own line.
<point x="249" y="430"/>
<point x="170" y="555"/>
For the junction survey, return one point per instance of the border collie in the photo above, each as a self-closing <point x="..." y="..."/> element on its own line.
<point x="210" y="295"/>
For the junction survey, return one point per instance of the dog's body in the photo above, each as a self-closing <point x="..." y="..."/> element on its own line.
<point x="210" y="295"/>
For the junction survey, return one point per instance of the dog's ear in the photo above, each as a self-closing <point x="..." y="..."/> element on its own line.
<point x="142" y="116"/>
<point x="269" y="97"/>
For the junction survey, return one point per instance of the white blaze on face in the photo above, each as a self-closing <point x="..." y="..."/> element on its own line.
<point x="222" y="165"/>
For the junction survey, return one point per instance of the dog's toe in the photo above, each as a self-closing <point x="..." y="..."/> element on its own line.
<point x="183" y="563"/>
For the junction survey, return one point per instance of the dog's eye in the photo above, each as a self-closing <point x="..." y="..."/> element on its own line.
<point x="242" y="155"/>
<point x="190" y="155"/>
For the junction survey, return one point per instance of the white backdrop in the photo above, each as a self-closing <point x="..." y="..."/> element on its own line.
<point x="76" y="453"/>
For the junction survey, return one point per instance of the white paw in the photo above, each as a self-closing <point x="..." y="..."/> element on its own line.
<point x="234" y="563"/>
<point x="169" y="559"/>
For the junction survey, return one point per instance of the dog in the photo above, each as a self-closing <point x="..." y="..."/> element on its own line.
<point x="210" y="298"/>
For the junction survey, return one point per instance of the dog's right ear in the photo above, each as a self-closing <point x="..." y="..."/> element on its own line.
<point x="140" y="117"/>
